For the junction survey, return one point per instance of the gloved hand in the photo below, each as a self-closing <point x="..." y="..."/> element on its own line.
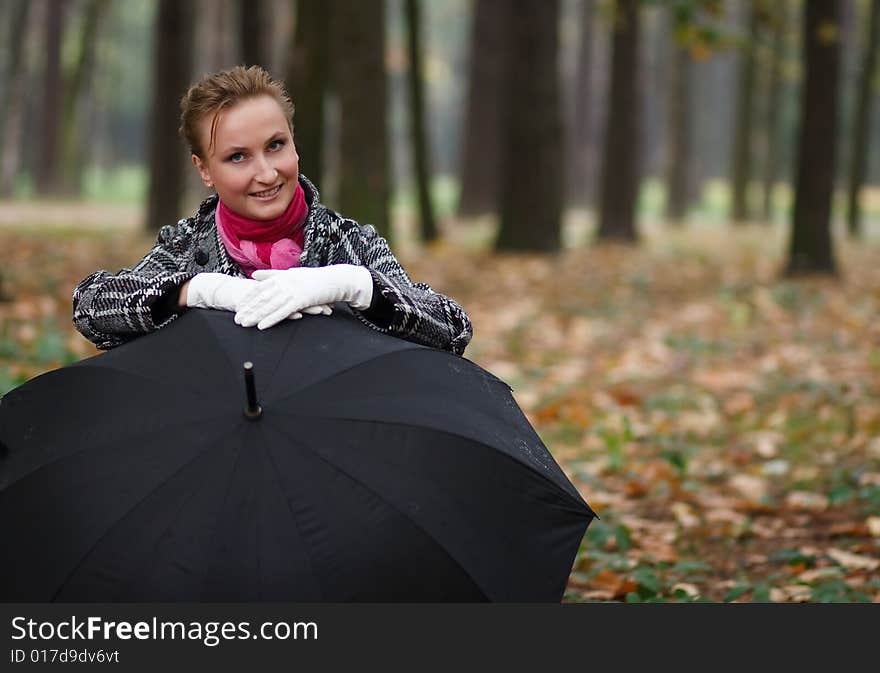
<point x="281" y="294"/>
<point x="218" y="291"/>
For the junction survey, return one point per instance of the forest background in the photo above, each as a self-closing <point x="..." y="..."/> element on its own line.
<point x="662" y="216"/>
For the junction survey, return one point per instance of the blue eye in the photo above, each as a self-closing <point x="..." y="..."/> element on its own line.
<point x="276" y="144"/>
<point x="235" y="158"/>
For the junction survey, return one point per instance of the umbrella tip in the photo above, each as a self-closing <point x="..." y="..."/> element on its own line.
<point x="252" y="410"/>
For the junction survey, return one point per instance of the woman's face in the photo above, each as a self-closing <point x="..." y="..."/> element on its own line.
<point x="253" y="163"/>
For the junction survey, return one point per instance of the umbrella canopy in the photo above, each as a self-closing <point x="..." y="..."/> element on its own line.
<point x="379" y="470"/>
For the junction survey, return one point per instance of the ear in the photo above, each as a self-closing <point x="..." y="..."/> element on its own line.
<point x="203" y="171"/>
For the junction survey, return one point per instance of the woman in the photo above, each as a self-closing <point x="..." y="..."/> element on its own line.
<point x="263" y="246"/>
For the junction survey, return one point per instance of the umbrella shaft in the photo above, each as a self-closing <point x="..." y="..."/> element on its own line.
<point x="253" y="409"/>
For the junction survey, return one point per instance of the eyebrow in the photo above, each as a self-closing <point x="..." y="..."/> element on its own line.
<point x="230" y="150"/>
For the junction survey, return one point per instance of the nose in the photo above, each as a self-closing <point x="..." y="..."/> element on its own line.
<point x="266" y="172"/>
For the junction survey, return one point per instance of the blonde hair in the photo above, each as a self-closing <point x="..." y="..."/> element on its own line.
<point x="220" y="90"/>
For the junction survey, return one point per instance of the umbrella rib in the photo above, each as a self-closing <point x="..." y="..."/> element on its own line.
<point x="574" y="507"/>
<point x="126" y="514"/>
<point x="140" y="375"/>
<point x="275" y="369"/>
<point x="58" y="459"/>
<point x="391" y="505"/>
<point x="277" y="475"/>
<point x="174" y="520"/>
<point x="293" y="395"/>
<point x="214" y="534"/>
<point x="344" y="371"/>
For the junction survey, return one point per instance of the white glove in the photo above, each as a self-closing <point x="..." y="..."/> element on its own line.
<point x="281" y="294"/>
<point x="225" y="293"/>
<point x="218" y="291"/>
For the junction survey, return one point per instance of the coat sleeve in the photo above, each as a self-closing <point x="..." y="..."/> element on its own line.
<point x="110" y="309"/>
<point x="409" y="310"/>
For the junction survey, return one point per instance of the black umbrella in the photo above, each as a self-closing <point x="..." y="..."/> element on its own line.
<point x="375" y="469"/>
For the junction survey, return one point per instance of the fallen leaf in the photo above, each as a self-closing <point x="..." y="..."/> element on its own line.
<point x="626" y="396"/>
<point x="849" y="528"/>
<point x="817" y="574"/>
<point x="690" y="589"/>
<point x="775" y="468"/>
<point x="659" y="470"/>
<point x="852" y="561"/>
<point x="730" y="523"/>
<point x="684" y="514"/>
<point x="753" y="488"/>
<point x="658" y="549"/>
<point x="873" y="523"/>
<point x="869" y="479"/>
<point x="805" y="500"/>
<point x="794" y="593"/>
<point x="617" y="585"/>
<point x="636" y="488"/>
<point x="738" y="403"/>
<point x="767" y="443"/>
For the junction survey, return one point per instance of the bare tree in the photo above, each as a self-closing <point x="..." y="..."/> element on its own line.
<point x="14" y="88"/>
<point x="582" y="157"/>
<point x="418" y="120"/>
<point x="172" y="63"/>
<point x="308" y="82"/>
<point x="811" y="250"/>
<point x="620" y="173"/>
<point x="254" y="38"/>
<point x="47" y="166"/>
<point x="532" y="158"/>
<point x="482" y="123"/>
<point x="861" y="139"/>
<point x="772" y="118"/>
<point x="76" y="87"/>
<point x="678" y="169"/>
<point x="362" y="86"/>
<point x="742" y="134"/>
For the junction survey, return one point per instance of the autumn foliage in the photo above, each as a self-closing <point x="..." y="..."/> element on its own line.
<point x="723" y="423"/>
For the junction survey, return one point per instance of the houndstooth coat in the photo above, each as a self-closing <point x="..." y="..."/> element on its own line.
<point x="110" y="309"/>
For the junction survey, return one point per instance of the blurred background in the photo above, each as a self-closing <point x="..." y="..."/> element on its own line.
<point x="663" y="217"/>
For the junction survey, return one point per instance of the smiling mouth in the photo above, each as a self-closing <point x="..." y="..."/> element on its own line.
<point x="268" y="192"/>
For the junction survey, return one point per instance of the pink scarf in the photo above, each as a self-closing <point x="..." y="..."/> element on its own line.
<point x="264" y="244"/>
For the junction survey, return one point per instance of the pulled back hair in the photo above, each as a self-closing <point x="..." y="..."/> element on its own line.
<point x="217" y="91"/>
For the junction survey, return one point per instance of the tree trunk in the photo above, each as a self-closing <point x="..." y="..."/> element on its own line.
<point x="655" y="34"/>
<point x="10" y="157"/>
<point x="582" y="158"/>
<point x="533" y="162"/>
<point x="172" y="63"/>
<point x="620" y="160"/>
<point x="254" y="38"/>
<point x="742" y="135"/>
<point x="848" y="83"/>
<point x="362" y="85"/>
<point x="75" y="88"/>
<point x="308" y="83"/>
<point x="811" y="243"/>
<point x="47" y="166"/>
<point x="483" y="118"/>
<point x="680" y="119"/>
<point x="861" y="133"/>
<point x="218" y="37"/>
<point x="418" y="123"/>
<point x="772" y="119"/>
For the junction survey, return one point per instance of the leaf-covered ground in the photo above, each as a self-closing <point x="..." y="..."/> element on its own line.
<point x="724" y="423"/>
